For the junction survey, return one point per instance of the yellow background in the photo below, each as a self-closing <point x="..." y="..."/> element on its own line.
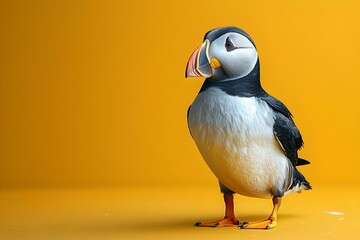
<point x="93" y="94"/>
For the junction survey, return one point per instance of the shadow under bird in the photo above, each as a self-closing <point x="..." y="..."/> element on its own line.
<point x="247" y="137"/>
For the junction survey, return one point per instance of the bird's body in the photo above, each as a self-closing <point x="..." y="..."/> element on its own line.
<point x="235" y="137"/>
<point x="247" y="137"/>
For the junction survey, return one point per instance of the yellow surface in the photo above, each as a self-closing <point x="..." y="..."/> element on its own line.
<point x="169" y="214"/>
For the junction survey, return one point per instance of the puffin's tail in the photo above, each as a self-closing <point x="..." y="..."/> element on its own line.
<point x="298" y="182"/>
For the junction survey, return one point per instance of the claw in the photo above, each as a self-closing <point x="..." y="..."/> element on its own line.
<point x="197" y="224"/>
<point x="216" y="225"/>
<point x="243" y="225"/>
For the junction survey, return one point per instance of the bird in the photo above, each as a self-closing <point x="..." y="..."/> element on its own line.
<point x="247" y="138"/>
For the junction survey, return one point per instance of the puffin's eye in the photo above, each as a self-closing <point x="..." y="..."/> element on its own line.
<point x="229" y="45"/>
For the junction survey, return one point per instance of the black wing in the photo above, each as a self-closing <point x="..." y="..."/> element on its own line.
<point x="285" y="131"/>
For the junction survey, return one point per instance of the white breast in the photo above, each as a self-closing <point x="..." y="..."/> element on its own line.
<point x="235" y="137"/>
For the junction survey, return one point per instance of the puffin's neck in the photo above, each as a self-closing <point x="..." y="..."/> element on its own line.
<point x="248" y="86"/>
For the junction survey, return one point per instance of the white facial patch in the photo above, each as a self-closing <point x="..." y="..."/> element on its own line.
<point x="238" y="62"/>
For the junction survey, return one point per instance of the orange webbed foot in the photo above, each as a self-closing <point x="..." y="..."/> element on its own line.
<point x="226" y="222"/>
<point x="266" y="224"/>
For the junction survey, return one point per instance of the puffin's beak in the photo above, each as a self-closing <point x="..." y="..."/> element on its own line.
<point x="199" y="63"/>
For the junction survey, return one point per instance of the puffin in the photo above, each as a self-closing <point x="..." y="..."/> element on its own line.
<point x="247" y="138"/>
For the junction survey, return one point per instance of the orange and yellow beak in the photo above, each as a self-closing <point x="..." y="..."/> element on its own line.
<point x="199" y="63"/>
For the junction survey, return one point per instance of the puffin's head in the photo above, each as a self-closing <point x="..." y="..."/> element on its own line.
<point x="227" y="53"/>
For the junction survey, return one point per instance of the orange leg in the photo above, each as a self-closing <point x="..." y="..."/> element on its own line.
<point x="270" y="222"/>
<point x="229" y="219"/>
